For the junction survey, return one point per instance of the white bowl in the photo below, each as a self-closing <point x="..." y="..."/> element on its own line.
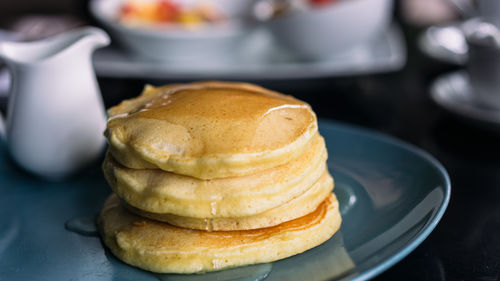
<point x="328" y="30"/>
<point x="176" y="43"/>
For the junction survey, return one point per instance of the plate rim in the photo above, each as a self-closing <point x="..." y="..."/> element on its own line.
<point x="415" y="241"/>
<point x="470" y="111"/>
<point x="391" y="260"/>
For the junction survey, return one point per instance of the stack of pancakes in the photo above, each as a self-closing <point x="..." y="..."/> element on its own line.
<point x="212" y="175"/>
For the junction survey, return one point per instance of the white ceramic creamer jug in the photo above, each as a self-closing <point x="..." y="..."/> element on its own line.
<point x="55" y="114"/>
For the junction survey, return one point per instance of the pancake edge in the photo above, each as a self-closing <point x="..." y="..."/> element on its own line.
<point x="207" y="261"/>
<point x="313" y="196"/>
<point x="245" y="205"/>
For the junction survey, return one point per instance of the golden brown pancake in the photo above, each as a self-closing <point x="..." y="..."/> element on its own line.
<point x="160" y="247"/>
<point x="295" y="208"/>
<point x="209" y="130"/>
<point x="157" y="191"/>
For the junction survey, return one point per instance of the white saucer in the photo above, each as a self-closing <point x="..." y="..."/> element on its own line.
<point x="445" y="43"/>
<point x="454" y="93"/>
<point x="263" y="59"/>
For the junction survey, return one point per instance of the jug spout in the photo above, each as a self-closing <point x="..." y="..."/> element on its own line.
<point x="92" y="37"/>
<point x="82" y="40"/>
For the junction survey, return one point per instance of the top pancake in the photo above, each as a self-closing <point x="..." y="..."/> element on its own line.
<point x="209" y="129"/>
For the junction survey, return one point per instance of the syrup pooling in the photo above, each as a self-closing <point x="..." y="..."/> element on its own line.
<point x="212" y="117"/>
<point x="209" y="130"/>
<point x="215" y="102"/>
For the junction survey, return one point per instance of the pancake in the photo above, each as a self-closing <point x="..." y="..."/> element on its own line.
<point x="157" y="191"/>
<point x="295" y="208"/>
<point x="160" y="247"/>
<point x="209" y="130"/>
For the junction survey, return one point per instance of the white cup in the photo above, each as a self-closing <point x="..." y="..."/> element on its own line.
<point x="483" y="39"/>
<point x="489" y="10"/>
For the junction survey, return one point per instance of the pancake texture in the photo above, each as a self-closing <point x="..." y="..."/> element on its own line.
<point x="214" y="175"/>
<point x="209" y="130"/>
<point x="163" y="248"/>
<point x="157" y="191"/>
<point x="297" y="207"/>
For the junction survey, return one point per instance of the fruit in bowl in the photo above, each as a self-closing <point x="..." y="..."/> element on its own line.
<point x="168" y="13"/>
<point x="173" y="30"/>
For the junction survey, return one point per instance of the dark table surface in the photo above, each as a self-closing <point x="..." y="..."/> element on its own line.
<point x="466" y="243"/>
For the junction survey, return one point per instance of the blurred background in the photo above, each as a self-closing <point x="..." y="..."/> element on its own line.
<point x="416" y="76"/>
<point x="389" y="48"/>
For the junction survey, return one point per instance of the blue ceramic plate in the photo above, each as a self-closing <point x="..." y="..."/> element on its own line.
<point x="391" y="195"/>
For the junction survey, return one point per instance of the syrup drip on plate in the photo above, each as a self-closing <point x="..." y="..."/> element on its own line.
<point x="83" y="225"/>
